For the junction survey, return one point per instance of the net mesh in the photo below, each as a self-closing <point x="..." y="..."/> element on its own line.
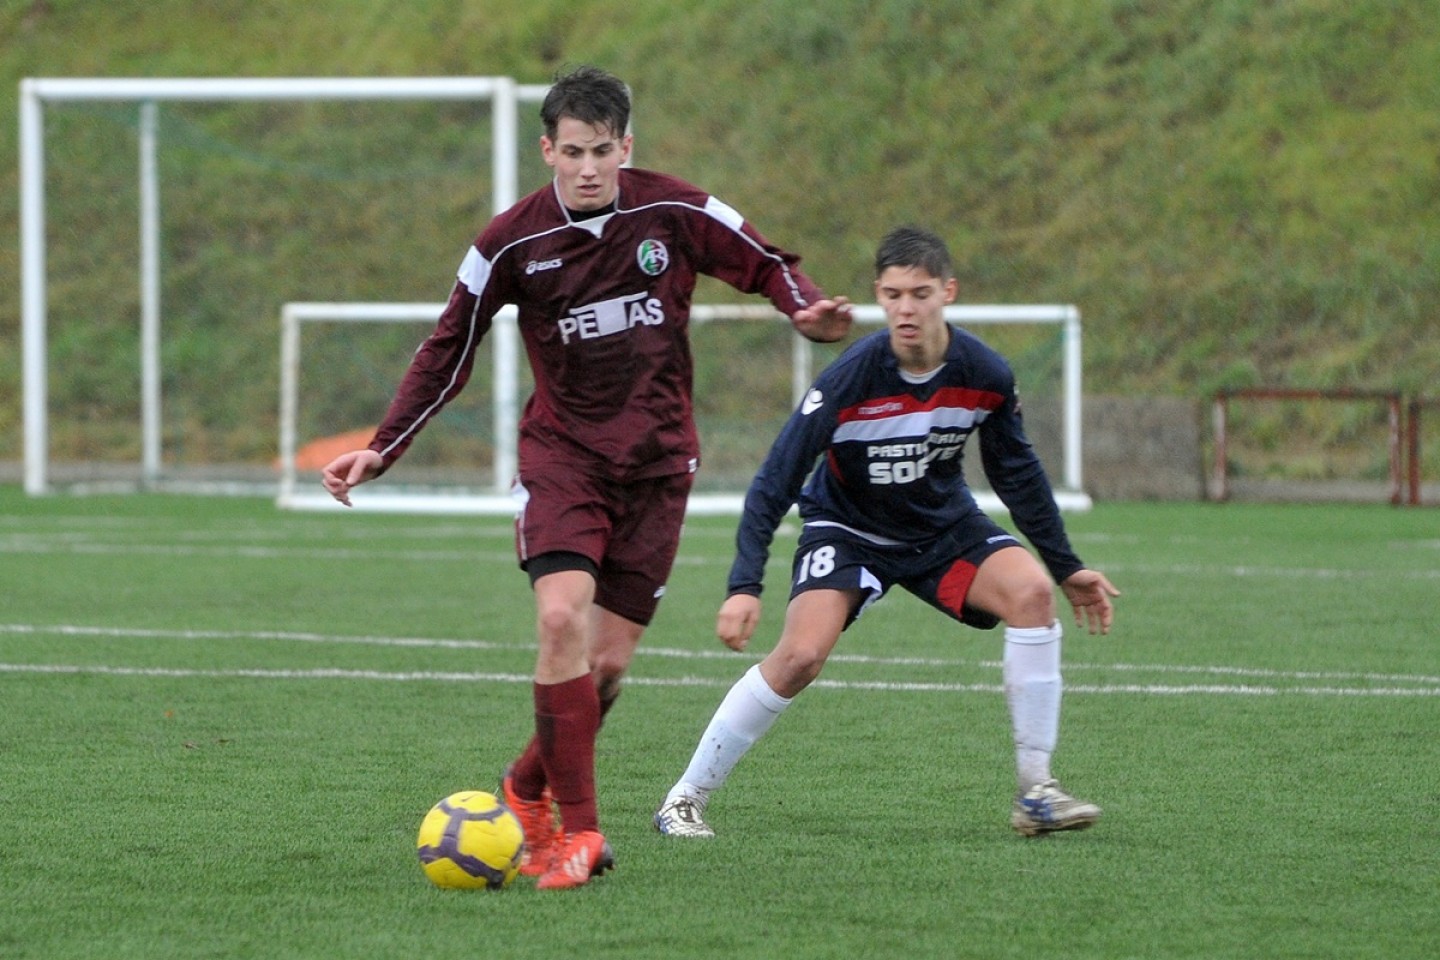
<point x="261" y="204"/>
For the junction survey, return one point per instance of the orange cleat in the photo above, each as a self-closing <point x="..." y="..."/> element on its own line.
<point x="537" y="819"/>
<point x="576" y="859"/>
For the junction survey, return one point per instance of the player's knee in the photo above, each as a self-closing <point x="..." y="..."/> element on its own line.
<point x="1030" y="603"/>
<point x="560" y="620"/>
<point x="793" y="669"/>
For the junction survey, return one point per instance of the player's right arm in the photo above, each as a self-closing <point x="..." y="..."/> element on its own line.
<point x="437" y="372"/>
<point x="440" y="367"/>
<point x="348" y="471"/>
<point x="771" y="495"/>
<point x="739" y="616"/>
<point x="805" y="436"/>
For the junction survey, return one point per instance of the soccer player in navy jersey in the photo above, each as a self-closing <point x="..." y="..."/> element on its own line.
<point x="601" y="265"/>
<point x="887" y="504"/>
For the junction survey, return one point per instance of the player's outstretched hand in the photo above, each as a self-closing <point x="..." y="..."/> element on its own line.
<point x="825" y="321"/>
<point x="1089" y="593"/>
<point x="349" y="470"/>
<point x="739" y="616"/>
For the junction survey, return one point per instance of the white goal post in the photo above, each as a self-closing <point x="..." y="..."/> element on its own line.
<point x="503" y="93"/>
<point x="1069" y="485"/>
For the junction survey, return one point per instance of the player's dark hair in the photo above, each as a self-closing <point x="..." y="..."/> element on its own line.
<point x="914" y="247"/>
<point x="590" y="95"/>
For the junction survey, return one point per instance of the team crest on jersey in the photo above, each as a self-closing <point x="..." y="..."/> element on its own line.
<point x="652" y="257"/>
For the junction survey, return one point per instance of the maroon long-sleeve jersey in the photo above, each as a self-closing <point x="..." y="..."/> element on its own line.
<point x="604" y="311"/>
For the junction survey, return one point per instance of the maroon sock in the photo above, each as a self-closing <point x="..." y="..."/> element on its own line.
<point x="527" y="774"/>
<point x="567" y="717"/>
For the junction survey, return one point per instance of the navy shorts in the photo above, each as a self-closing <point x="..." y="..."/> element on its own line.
<point x="630" y="532"/>
<point x="833" y="558"/>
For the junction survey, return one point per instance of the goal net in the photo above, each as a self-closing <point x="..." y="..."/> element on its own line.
<point x="341" y="362"/>
<point x="165" y="221"/>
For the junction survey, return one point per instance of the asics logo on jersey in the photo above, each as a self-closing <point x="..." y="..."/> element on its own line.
<point x="535" y="266"/>
<point x="652" y="257"/>
<point x="611" y="316"/>
<point x="813" y="401"/>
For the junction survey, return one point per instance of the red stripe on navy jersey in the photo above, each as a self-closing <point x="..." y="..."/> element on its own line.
<point x="960" y="398"/>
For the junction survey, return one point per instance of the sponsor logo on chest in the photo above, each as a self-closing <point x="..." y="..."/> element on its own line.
<point x="906" y="462"/>
<point x="608" y="317"/>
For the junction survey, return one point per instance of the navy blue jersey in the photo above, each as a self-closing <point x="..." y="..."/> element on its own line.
<point x="891" y="450"/>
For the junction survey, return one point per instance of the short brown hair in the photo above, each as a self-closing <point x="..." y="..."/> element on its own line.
<point x="590" y="95"/>
<point x="914" y="247"/>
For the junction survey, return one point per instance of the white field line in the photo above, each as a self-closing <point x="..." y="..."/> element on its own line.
<point x="1242" y="571"/>
<point x="81" y="546"/>
<point x="460" y="677"/>
<point x="1420" y="685"/>
<point x="84" y="544"/>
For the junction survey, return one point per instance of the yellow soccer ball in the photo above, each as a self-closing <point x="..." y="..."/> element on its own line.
<point x="470" y="840"/>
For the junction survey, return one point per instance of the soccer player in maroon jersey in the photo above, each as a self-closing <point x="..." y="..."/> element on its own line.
<point x="881" y="436"/>
<point x="601" y="265"/>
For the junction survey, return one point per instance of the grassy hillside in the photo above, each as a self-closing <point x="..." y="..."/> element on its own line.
<point x="1234" y="191"/>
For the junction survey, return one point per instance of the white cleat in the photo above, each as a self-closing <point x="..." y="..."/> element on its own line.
<point x="681" y="817"/>
<point x="1045" y="808"/>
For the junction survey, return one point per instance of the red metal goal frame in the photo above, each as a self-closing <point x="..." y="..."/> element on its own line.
<point x="1412" y="430"/>
<point x="1220" y="412"/>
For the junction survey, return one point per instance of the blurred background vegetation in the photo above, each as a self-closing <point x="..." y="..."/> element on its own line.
<point x="1234" y="192"/>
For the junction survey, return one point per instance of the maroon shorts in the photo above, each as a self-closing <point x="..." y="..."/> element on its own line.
<point x="629" y="531"/>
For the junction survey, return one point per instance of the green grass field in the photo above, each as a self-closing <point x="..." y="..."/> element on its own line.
<point x="220" y="726"/>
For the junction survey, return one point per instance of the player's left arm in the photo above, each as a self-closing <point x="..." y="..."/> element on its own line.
<point x="1016" y="474"/>
<point x="731" y="249"/>
<point x="825" y="321"/>
<point x="1018" y="477"/>
<point x="1090" y="594"/>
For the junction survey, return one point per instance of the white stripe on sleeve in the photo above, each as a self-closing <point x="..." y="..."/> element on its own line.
<point x="474" y="272"/>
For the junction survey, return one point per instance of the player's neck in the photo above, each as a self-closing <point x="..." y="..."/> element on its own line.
<point x="922" y="359"/>
<point x="924" y="376"/>
<point x="577" y="216"/>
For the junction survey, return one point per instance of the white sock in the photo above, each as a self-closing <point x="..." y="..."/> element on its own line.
<point x="747" y="711"/>
<point x="1032" y="688"/>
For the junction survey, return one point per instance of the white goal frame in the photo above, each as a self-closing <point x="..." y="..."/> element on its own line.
<point x="35" y="92"/>
<point x="1069" y="490"/>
